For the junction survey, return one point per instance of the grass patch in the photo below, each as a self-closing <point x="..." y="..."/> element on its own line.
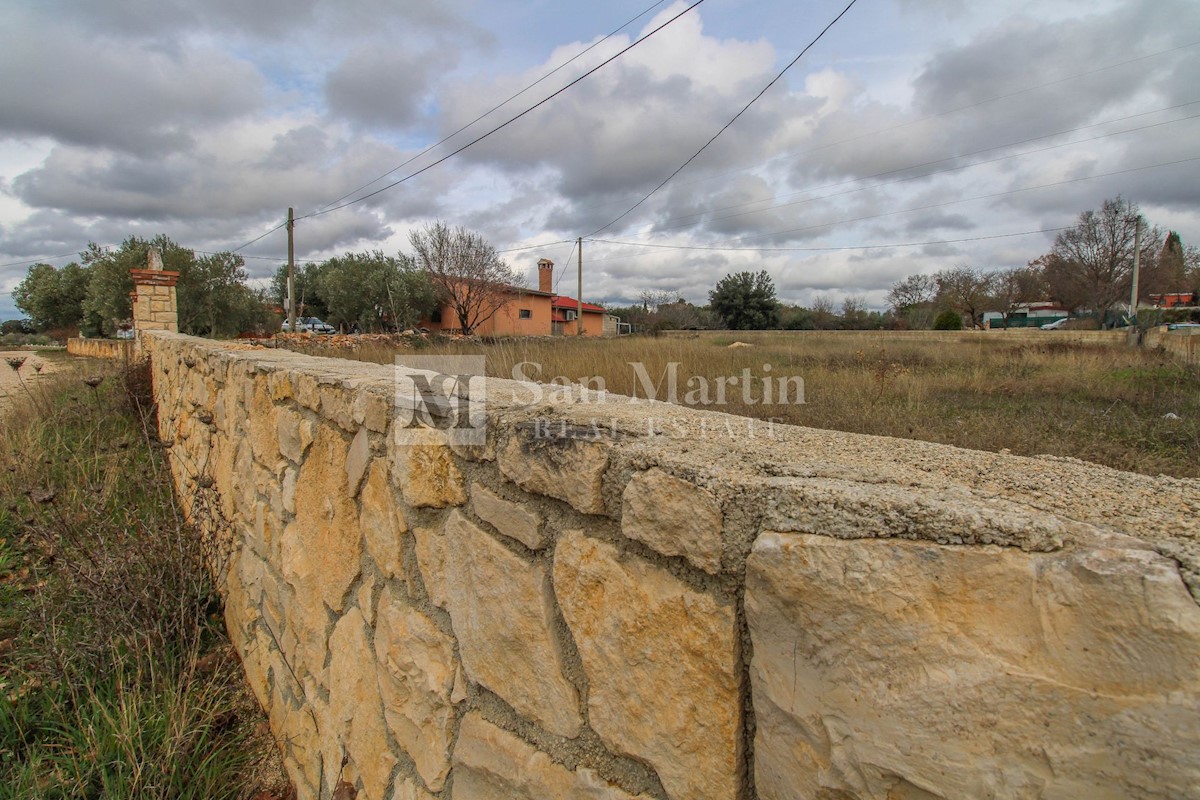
<point x="1131" y="409"/>
<point x="116" y="679"/>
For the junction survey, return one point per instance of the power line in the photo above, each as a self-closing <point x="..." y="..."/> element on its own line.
<point x="941" y="205"/>
<point x="503" y="125"/>
<point x="937" y="115"/>
<point x="664" y="227"/>
<point x="814" y="249"/>
<point x="39" y="259"/>
<point x="726" y="126"/>
<point x="257" y="238"/>
<point x="534" y="246"/>
<point x="498" y="106"/>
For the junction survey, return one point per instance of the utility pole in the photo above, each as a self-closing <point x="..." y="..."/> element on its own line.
<point x="1137" y="255"/>
<point x="291" y="226"/>
<point x="579" y="316"/>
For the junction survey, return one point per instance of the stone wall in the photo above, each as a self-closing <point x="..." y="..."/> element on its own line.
<point x="607" y="599"/>
<point x="1184" y="344"/>
<point x="100" y="348"/>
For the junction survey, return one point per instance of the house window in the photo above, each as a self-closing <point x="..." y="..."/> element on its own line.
<point x="525" y="313"/>
<point x="570" y="315"/>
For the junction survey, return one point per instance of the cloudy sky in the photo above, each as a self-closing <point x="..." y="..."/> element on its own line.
<point x="959" y="128"/>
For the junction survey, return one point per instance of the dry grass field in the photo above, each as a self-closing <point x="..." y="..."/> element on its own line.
<point x="1131" y="409"/>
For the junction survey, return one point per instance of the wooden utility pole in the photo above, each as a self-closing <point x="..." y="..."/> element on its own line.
<point x="579" y="298"/>
<point x="291" y="226"/>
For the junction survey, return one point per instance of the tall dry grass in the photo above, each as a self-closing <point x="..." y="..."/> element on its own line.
<point x="1132" y="409"/>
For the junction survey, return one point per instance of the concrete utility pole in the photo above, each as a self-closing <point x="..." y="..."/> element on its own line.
<point x="579" y="315"/>
<point x="291" y="226"/>
<point x="1137" y="255"/>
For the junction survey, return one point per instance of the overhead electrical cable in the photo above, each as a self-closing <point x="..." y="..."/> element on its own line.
<point x="259" y="238"/>
<point x="504" y="125"/>
<point x="930" y="118"/>
<point x="726" y="126"/>
<point x="660" y="228"/>
<point x="498" y="106"/>
<point x="811" y="249"/>
<point x="934" y="205"/>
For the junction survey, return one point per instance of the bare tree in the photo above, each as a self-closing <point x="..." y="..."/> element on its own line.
<point x="912" y="300"/>
<point x="1012" y="287"/>
<point x="967" y="290"/>
<point x="465" y="271"/>
<point x="1091" y="263"/>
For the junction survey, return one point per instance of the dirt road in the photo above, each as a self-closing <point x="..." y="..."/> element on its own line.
<point x="10" y="381"/>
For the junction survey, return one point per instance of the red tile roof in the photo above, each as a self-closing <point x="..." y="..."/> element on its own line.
<point x="559" y="301"/>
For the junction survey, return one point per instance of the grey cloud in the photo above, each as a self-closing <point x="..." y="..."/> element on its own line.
<point x="95" y="92"/>
<point x="383" y="85"/>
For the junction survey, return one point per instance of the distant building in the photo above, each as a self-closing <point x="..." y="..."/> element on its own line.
<point x="1176" y="300"/>
<point x="1026" y="315"/>
<point x="529" y="312"/>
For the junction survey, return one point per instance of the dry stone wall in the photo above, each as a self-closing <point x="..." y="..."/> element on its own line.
<point x="612" y="600"/>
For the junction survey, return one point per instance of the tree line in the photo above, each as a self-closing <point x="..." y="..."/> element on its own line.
<point x="360" y="291"/>
<point x="1089" y="269"/>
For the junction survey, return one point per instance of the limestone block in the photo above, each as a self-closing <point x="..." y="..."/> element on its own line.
<point x="889" y="668"/>
<point x="571" y="469"/>
<point x="430" y="544"/>
<point x="509" y="518"/>
<point x="337" y="406"/>
<point x="260" y="416"/>
<point x="372" y="409"/>
<point x="491" y="763"/>
<point x="518" y="658"/>
<point x="288" y="489"/>
<point x="407" y="789"/>
<point x="307" y="391"/>
<point x="673" y="516"/>
<point x="427" y="475"/>
<point x="382" y="522"/>
<point x="662" y="666"/>
<point x="322" y="547"/>
<point x="357" y="459"/>
<point x="295" y="434"/>
<point x="416" y="676"/>
<point x="355" y="707"/>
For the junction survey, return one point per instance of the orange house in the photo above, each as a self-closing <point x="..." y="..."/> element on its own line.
<point x="528" y="312"/>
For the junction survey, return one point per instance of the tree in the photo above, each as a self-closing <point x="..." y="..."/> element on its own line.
<point x="966" y="290"/>
<point x="823" y="317"/>
<point x="1091" y="263"/>
<point x="371" y="291"/>
<point x="465" y="271"/>
<point x="745" y="301"/>
<point x="214" y="300"/>
<point x="309" y="303"/>
<point x="1012" y="287"/>
<point x="948" y="320"/>
<point x="854" y="313"/>
<point x="108" y="303"/>
<point x="53" y="298"/>
<point x="912" y="300"/>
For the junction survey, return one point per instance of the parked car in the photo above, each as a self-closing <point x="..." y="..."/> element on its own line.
<point x="309" y="325"/>
<point x="1053" y="326"/>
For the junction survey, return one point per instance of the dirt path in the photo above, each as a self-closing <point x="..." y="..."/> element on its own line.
<point x="10" y="382"/>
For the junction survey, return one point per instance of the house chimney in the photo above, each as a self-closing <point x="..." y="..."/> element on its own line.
<point x="545" y="275"/>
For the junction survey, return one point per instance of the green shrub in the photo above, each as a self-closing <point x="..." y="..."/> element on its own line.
<point x="948" y="320"/>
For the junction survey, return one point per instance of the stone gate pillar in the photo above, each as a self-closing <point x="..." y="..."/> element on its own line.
<point x="154" y="306"/>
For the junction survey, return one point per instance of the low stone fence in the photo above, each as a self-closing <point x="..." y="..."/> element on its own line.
<point x="1184" y="344"/>
<point x="572" y="594"/>
<point x="100" y="348"/>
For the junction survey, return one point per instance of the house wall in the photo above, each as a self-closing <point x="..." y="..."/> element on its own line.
<point x="593" y="325"/>
<point x="506" y="321"/>
<point x="615" y="600"/>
